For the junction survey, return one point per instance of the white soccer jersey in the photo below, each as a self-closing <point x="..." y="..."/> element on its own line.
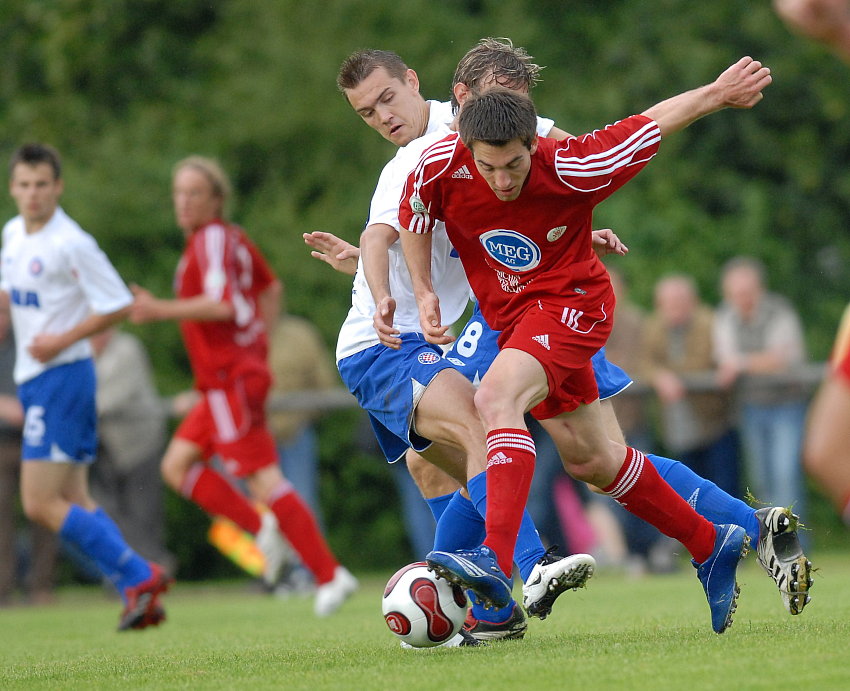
<point x="55" y="279"/>
<point x="447" y="274"/>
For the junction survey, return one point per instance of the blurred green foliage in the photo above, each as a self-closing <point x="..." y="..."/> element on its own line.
<point x="124" y="88"/>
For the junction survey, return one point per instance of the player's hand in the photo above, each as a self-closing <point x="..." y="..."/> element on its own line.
<point x="383" y="323"/>
<point x="144" y="307"/>
<point x="605" y="242"/>
<point x="741" y="84"/>
<point x="333" y="251"/>
<point x="45" y="347"/>
<point x="431" y="321"/>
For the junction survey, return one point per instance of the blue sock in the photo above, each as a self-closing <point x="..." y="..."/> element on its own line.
<point x="438" y="504"/>
<point x="529" y="549"/>
<point x="460" y="526"/>
<point x="708" y="499"/>
<point x="99" y="538"/>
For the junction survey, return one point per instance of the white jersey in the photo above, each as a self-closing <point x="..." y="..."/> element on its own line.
<point x="447" y="274"/>
<point x="55" y="279"/>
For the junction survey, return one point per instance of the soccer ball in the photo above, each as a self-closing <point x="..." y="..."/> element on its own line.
<point x="421" y="609"/>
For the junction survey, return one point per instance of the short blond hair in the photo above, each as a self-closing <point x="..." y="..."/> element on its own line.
<point x="212" y="170"/>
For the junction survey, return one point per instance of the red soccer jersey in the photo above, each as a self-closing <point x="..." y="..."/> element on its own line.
<point x="222" y="263"/>
<point x="538" y="246"/>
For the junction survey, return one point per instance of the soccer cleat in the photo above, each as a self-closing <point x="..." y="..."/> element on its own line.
<point x="512" y="628"/>
<point x="552" y="576"/>
<point x="475" y="570"/>
<point x="780" y="554"/>
<point x="143" y="608"/>
<point x="717" y="574"/>
<point x="331" y="595"/>
<point x="275" y="548"/>
<point x="462" y="639"/>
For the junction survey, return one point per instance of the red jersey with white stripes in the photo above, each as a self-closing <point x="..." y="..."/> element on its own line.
<point x="538" y="246"/>
<point x="222" y="263"/>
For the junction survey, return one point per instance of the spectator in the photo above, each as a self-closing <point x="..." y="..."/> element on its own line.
<point x="131" y="421"/>
<point x="758" y="333"/>
<point x="299" y="361"/>
<point x="696" y="427"/>
<point x="41" y="559"/>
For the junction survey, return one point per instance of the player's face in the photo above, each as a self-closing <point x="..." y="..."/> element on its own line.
<point x="195" y="202"/>
<point x="36" y="193"/>
<point x="505" y="168"/>
<point x="392" y="107"/>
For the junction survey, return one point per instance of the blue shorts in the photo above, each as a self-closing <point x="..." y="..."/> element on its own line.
<point x="60" y="416"/>
<point x="477" y="346"/>
<point x="388" y="385"/>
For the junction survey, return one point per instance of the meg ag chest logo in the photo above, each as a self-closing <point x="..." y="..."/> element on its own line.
<point x="511" y="249"/>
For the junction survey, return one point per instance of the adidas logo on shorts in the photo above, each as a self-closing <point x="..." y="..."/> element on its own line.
<point x="462" y="173"/>
<point x="542" y="340"/>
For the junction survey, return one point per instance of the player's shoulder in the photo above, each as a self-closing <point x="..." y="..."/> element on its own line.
<point x="437" y="157"/>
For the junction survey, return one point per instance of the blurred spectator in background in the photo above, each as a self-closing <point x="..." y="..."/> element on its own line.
<point x="697" y="428"/>
<point x="300" y="361"/>
<point x="38" y="563"/>
<point x="827" y="445"/>
<point x="639" y="546"/>
<point x="131" y="423"/>
<point x="758" y="333"/>
<point x="827" y="21"/>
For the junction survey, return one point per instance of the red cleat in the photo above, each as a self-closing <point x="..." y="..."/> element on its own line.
<point x="143" y="608"/>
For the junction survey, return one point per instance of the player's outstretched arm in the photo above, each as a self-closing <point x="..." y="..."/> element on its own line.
<point x="417" y="254"/>
<point x="739" y="86"/>
<point x="335" y="252"/>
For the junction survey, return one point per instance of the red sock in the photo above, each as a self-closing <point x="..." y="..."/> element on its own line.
<point x="510" y="467"/>
<point x="642" y="491"/>
<point x="215" y="495"/>
<point x="300" y="528"/>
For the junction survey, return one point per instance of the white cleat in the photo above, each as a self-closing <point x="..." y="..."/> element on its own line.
<point x="331" y="595"/>
<point x="276" y="550"/>
<point x="552" y="576"/>
<point x="780" y="554"/>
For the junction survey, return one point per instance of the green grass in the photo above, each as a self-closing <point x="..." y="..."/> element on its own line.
<point x="651" y="633"/>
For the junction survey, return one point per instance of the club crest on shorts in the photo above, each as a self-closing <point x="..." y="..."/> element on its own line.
<point x="511" y="249"/>
<point x="428" y="358"/>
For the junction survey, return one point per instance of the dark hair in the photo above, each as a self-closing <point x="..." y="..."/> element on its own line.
<point x="498" y="117"/>
<point x="32" y="154"/>
<point x="499" y="59"/>
<point x="360" y="64"/>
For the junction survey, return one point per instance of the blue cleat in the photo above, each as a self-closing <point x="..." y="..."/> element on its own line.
<point x="717" y="574"/>
<point x="476" y="570"/>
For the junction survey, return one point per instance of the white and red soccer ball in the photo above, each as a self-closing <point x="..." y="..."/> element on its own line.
<point x="421" y="609"/>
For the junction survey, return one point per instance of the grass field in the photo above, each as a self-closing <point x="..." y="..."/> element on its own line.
<point x="619" y="633"/>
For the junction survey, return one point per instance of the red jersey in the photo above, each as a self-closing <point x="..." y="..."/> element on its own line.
<point x="539" y="245"/>
<point x="222" y="263"/>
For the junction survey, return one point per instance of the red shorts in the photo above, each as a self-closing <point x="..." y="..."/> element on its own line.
<point x="563" y="341"/>
<point x="231" y="423"/>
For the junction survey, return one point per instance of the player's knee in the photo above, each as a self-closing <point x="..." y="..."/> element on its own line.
<point x="494" y="405"/>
